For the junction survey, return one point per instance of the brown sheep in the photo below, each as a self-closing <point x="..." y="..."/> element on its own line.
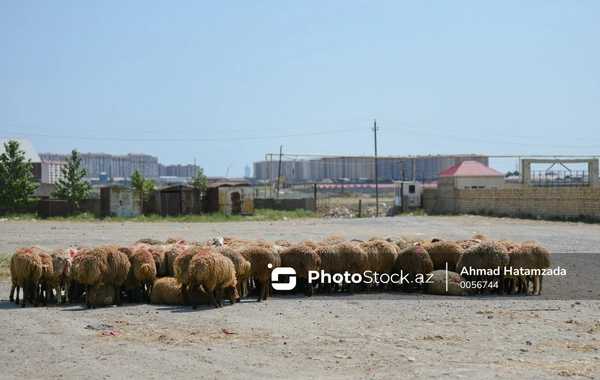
<point x="103" y="265"/>
<point x="213" y="272"/>
<point x="354" y="260"/>
<point x="242" y="269"/>
<point x="47" y="276"/>
<point x="143" y="268"/>
<point x="333" y="240"/>
<point x="442" y="252"/>
<point x="262" y="262"/>
<point x="148" y="241"/>
<point x="454" y="286"/>
<point x="487" y="259"/>
<point x="181" y="267"/>
<point x="414" y="261"/>
<point x="331" y="262"/>
<point x="534" y="257"/>
<point x="381" y="257"/>
<point x="62" y="263"/>
<point x="25" y="272"/>
<point x="303" y="259"/>
<point x="167" y="291"/>
<point x="284" y="242"/>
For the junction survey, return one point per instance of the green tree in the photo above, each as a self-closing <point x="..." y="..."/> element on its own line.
<point x="72" y="187"/>
<point x="199" y="181"/>
<point x="139" y="182"/>
<point x="16" y="187"/>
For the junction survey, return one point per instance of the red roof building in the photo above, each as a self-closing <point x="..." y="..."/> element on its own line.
<point x="470" y="169"/>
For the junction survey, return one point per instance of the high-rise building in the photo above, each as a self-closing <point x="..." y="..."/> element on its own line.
<point x="419" y="168"/>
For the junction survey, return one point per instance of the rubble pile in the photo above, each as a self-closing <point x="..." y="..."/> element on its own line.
<point x="339" y="213"/>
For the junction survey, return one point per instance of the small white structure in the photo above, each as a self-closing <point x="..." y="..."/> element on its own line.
<point x="407" y="194"/>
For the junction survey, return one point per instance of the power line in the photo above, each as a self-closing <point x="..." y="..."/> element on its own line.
<point x="190" y="139"/>
<point x="194" y="132"/>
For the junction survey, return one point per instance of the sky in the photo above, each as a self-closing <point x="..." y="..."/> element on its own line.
<point x="224" y="83"/>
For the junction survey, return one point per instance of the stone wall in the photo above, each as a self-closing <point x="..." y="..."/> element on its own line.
<point x="533" y="202"/>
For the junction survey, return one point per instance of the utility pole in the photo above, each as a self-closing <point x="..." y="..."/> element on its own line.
<point x="279" y="170"/>
<point x="376" y="180"/>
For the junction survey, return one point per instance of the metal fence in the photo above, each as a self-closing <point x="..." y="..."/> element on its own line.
<point x="560" y="178"/>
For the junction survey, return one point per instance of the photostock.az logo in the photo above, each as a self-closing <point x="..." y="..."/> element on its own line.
<point x="283" y="271"/>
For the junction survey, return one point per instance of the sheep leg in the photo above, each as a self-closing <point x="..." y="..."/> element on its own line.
<point x="261" y="291"/>
<point x="67" y="289"/>
<point x="12" y="293"/>
<point x="117" y="290"/>
<point x="36" y="299"/>
<point x="541" y="280"/>
<point x="219" y="293"/>
<point x="184" y="294"/>
<point x="18" y="290"/>
<point x="87" y="296"/>
<point x="213" y="301"/>
<point x="309" y="289"/>
<point x="192" y="294"/>
<point x="58" y="294"/>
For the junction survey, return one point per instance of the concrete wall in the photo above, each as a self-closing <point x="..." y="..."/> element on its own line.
<point x="542" y="202"/>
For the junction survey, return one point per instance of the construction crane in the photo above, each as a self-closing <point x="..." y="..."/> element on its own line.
<point x="227" y="173"/>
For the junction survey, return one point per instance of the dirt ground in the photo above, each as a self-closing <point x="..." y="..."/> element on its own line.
<point x="362" y="336"/>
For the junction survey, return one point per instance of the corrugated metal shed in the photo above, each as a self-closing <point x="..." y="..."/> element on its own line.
<point x="230" y="198"/>
<point x="178" y="200"/>
<point x="120" y="202"/>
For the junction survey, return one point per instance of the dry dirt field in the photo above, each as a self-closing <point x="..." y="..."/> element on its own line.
<point x="363" y="336"/>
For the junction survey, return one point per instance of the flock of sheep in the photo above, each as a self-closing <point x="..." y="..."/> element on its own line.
<point x="179" y="272"/>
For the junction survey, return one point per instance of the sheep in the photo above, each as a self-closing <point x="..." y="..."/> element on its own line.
<point x="47" y="276"/>
<point x="284" y="243"/>
<point x="181" y="267"/>
<point x="508" y="244"/>
<point x="62" y="262"/>
<point x="442" y="252"/>
<point x="167" y="291"/>
<point x="149" y="241"/>
<point x="397" y="241"/>
<point x="310" y="243"/>
<point x="333" y="240"/>
<point x="103" y="265"/>
<point x="415" y="261"/>
<point x="213" y="272"/>
<point x="143" y="268"/>
<point x="303" y="259"/>
<point x="353" y="260"/>
<point x="104" y="294"/>
<point x="331" y="262"/>
<point x="175" y="240"/>
<point x="376" y="237"/>
<point x="534" y="257"/>
<point x="479" y="237"/>
<point x="468" y="243"/>
<point x="171" y="253"/>
<point x="25" y="272"/>
<point x="436" y="284"/>
<point x="486" y="257"/>
<point x="242" y="269"/>
<point x="381" y="257"/>
<point x="262" y="262"/>
<point x="410" y="241"/>
<point x="160" y="259"/>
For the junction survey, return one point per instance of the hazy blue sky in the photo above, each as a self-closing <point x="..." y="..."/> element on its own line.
<point x="227" y="82"/>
